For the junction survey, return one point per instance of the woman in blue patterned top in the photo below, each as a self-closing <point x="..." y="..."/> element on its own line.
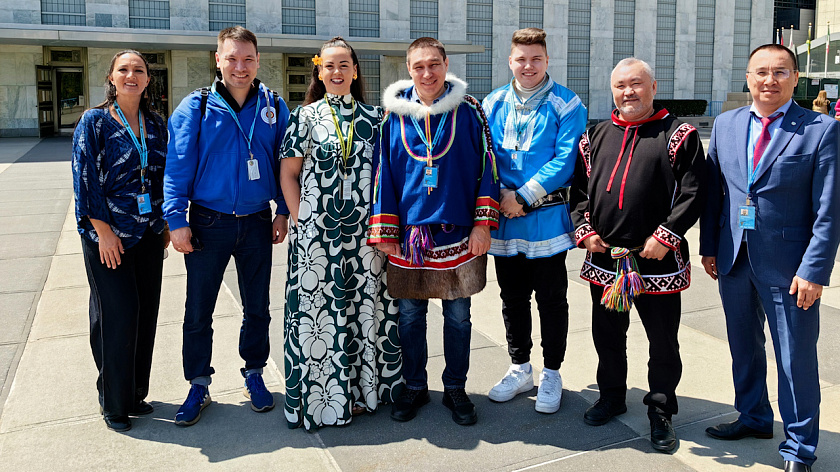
<point x="119" y="151"/>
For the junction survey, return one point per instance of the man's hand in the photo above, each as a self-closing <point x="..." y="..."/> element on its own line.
<point x="392" y="249"/>
<point x="181" y="239"/>
<point x="594" y="243"/>
<point x="479" y="240"/>
<point x="809" y="292"/>
<point x="279" y="228"/>
<point x="654" y="249"/>
<point x="710" y="264"/>
<point x="509" y="206"/>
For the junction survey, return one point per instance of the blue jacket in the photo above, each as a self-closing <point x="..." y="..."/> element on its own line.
<point x="550" y="151"/>
<point x="207" y="158"/>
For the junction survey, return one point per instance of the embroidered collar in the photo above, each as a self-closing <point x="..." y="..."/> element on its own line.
<point x="397" y="98"/>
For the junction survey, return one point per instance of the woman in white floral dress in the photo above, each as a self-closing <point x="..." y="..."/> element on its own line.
<point x="342" y="354"/>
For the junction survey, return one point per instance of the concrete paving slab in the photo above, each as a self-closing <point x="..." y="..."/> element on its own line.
<point x="14" y="311"/>
<point x="12" y="196"/>
<point x="23" y="275"/>
<point x="69" y="242"/>
<point x="41" y="207"/>
<point x="28" y="224"/>
<point x="7" y="355"/>
<point x="23" y="246"/>
<point x="13" y="149"/>
<point x="61" y="313"/>
<point x="24" y="184"/>
<point x="633" y="454"/>
<point x="70" y="217"/>
<point x="67" y="271"/>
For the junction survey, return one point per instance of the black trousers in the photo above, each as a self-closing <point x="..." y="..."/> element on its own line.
<point x="660" y="316"/>
<point x="123" y="317"/>
<point x="518" y="278"/>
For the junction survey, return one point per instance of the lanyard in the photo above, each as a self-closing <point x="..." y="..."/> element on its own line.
<point x="521" y="127"/>
<point x="346" y="144"/>
<point x="141" y="145"/>
<point x="236" y="119"/>
<point x="426" y="136"/>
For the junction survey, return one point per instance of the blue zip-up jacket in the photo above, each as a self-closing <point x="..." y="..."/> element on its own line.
<point x="207" y="158"/>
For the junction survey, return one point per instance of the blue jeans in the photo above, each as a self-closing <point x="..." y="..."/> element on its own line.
<point x="220" y="236"/>
<point x="457" y="330"/>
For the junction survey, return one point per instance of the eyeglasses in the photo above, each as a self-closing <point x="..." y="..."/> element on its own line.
<point x="778" y="74"/>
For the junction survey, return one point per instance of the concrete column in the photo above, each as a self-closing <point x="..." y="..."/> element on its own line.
<point x="18" y="90"/>
<point x="505" y="22"/>
<point x="190" y="70"/>
<point x="644" y="41"/>
<point x="556" y="26"/>
<point x="332" y="18"/>
<point x="273" y="71"/>
<point x="191" y="15"/>
<point x="601" y="31"/>
<point x="392" y="69"/>
<point x="452" y="21"/>
<point x="394" y="19"/>
<point x="724" y="48"/>
<point x="684" y="58"/>
<point x="107" y="13"/>
<point x="761" y="28"/>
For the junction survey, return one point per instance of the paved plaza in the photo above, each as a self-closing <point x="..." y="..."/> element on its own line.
<point x="49" y="415"/>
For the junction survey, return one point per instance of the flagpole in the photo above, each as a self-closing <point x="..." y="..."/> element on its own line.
<point x="808" y="66"/>
<point x="782" y="37"/>
<point x="790" y="39"/>
<point x="827" y="43"/>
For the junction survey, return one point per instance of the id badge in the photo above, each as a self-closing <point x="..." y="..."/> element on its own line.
<point x="746" y="217"/>
<point x="517" y="160"/>
<point x="144" y="203"/>
<point x="253" y="169"/>
<point x="347" y="187"/>
<point x="430" y="176"/>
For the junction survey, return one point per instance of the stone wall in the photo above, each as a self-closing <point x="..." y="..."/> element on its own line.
<point x="18" y="90"/>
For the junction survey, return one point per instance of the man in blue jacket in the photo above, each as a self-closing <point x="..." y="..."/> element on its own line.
<point x="536" y="124"/>
<point x="221" y="165"/>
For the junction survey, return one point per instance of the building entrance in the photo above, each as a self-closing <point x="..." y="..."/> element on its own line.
<point x="71" y="100"/>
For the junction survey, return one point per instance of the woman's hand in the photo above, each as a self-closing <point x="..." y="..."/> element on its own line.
<point x="110" y="245"/>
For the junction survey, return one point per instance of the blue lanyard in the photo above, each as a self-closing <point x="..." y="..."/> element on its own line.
<point x="438" y="132"/>
<point x="249" y="136"/>
<point x="521" y="127"/>
<point x="141" y="145"/>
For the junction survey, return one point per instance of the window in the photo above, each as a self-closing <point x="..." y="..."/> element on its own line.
<point x="578" y="59"/>
<point x="369" y="64"/>
<point x="741" y="43"/>
<point x="704" y="51"/>
<point x="531" y="13"/>
<point x="151" y="14"/>
<point x="298" y="16"/>
<point x="423" y="16"/>
<point x="666" y="35"/>
<point x="63" y="12"/>
<point x="625" y="27"/>
<point x="226" y="13"/>
<point x="480" y="31"/>
<point x="364" y="18"/>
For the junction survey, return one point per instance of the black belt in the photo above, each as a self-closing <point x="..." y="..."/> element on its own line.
<point x="218" y="214"/>
<point x="561" y="196"/>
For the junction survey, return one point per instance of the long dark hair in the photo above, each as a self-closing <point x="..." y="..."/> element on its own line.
<point x="317" y="89"/>
<point x="111" y="90"/>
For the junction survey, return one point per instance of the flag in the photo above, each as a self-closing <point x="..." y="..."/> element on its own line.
<point x="782" y="37"/>
<point x="808" y="42"/>
<point x="827" y="43"/>
<point x="790" y="39"/>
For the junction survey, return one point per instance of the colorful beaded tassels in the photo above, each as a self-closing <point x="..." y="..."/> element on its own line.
<point x="628" y="283"/>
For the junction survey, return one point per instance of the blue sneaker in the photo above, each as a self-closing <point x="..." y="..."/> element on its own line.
<point x="261" y="399"/>
<point x="197" y="400"/>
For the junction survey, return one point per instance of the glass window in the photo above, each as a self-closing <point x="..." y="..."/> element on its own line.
<point x="666" y="35"/>
<point x="63" y="12"/>
<point x="369" y="64"/>
<point x="531" y="13"/>
<point x="226" y="13"/>
<point x="423" y="16"/>
<point x="625" y="29"/>
<point x="741" y="43"/>
<point x="480" y="31"/>
<point x="578" y="57"/>
<point x="364" y="18"/>
<point x="704" y="50"/>
<point x="298" y="16"/>
<point x="151" y="14"/>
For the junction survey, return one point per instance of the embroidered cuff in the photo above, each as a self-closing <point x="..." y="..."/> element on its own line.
<point x="486" y="212"/>
<point x="582" y="232"/>
<point x="667" y="238"/>
<point x="531" y="191"/>
<point x="383" y="229"/>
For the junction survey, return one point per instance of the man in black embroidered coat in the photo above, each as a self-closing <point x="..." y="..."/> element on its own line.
<point x="637" y="186"/>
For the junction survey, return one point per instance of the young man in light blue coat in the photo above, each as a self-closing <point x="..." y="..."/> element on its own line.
<point x="535" y="124"/>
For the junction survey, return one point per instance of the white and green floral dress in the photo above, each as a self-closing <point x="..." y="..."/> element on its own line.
<point x="340" y="327"/>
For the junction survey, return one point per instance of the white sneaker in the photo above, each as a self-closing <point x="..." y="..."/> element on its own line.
<point x="550" y="392"/>
<point x="516" y="381"/>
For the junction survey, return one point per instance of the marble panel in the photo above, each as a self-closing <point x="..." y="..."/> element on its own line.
<point x="600" y="65"/>
<point x="394" y="19"/>
<point x="452" y="16"/>
<point x="18" y="68"/>
<point x="272" y="70"/>
<point x="17" y="102"/>
<point x="505" y="22"/>
<point x="644" y="43"/>
<point x="724" y="44"/>
<point x="29" y="17"/>
<point x="265" y="17"/>
<point x="761" y="28"/>
<point x="556" y="19"/>
<point x="190" y="15"/>
<point x="684" y="59"/>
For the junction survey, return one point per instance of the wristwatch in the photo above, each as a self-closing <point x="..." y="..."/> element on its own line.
<point x="525" y="207"/>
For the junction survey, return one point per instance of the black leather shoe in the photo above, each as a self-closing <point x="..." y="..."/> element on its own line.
<point x="602" y="411"/>
<point x="793" y="466"/>
<point x="662" y="435"/>
<point x="407" y="404"/>
<point x="142" y="408"/>
<point x="117" y="423"/>
<point x="736" y="430"/>
<point x="463" y="410"/>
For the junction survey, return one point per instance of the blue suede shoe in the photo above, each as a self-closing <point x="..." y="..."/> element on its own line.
<point x="197" y="400"/>
<point x="261" y="399"/>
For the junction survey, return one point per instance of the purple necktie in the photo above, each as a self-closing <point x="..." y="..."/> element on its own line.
<point x="763" y="139"/>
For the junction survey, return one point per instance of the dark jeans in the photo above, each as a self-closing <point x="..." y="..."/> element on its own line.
<point x="518" y="278"/>
<point x="660" y="316"/>
<point x="123" y="318"/>
<point x="457" y="330"/>
<point x="248" y="240"/>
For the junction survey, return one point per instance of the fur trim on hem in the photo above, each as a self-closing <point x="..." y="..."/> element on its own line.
<point x="394" y="102"/>
<point x="463" y="281"/>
